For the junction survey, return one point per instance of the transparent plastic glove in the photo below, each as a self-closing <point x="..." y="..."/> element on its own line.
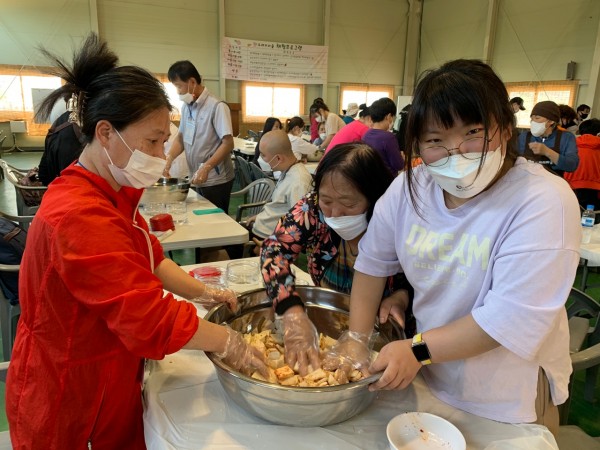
<point x="214" y="295"/>
<point x="241" y="356"/>
<point x="301" y="341"/>
<point x="352" y="351"/>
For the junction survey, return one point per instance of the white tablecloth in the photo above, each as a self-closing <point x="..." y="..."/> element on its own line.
<point x="591" y="251"/>
<point x="187" y="409"/>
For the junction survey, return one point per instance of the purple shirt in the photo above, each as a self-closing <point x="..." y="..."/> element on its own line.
<point x="387" y="145"/>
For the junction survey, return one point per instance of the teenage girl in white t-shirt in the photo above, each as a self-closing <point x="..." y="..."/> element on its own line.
<point x="490" y="244"/>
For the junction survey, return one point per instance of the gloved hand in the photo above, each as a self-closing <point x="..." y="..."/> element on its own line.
<point x="214" y="295"/>
<point x="350" y="352"/>
<point x="241" y="356"/>
<point x="301" y="341"/>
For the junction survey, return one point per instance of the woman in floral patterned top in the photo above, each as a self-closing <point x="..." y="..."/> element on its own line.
<point x="327" y="224"/>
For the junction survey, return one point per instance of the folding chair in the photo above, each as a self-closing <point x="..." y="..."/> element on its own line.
<point x="584" y="330"/>
<point x="25" y="205"/>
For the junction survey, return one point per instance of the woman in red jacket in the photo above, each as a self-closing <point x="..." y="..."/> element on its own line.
<point x="92" y="276"/>
<point x="585" y="181"/>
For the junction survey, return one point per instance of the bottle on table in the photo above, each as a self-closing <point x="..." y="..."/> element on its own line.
<point x="587" y="223"/>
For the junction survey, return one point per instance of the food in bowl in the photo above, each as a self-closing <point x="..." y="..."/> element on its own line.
<point x="270" y="343"/>
<point x="293" y="405"/>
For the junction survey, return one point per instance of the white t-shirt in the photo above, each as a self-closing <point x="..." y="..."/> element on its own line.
<point x="294" y="185"/>
<point x="301" y="147"/>
<point x="508" y="257"/>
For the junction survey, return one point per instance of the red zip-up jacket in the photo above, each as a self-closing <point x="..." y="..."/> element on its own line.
<point x="91" y="311"/>
<point x="587" y="174"/>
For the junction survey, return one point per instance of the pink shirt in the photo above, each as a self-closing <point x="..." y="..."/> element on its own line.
<point x="352" y="132"/>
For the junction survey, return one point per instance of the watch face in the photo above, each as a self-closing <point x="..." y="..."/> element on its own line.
<point x="421" y="351"/>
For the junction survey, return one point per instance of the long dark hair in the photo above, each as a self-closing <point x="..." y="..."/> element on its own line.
<point x="317" y="105"/>
<point x="269" y="124"/>
<point x="464" y="89"/>
<point x="120" y="95"/>
<point x="360" y="165"/>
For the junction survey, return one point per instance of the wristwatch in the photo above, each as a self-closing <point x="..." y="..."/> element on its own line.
<point x="420" y="349"/>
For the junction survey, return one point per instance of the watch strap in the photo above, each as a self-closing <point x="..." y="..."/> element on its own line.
<point x="420" y="349"/>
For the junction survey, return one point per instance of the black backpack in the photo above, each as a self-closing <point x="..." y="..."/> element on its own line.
<point x="12" y="246"/>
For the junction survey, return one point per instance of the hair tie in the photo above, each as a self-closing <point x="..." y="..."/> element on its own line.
<point x="73" y="107"/>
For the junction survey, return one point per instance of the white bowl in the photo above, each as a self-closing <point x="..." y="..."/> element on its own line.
<point x="418" y="430"/>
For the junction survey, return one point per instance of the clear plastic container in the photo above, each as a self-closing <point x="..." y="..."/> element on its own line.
<point x="588" y="219"/>
<point x="241" y="274"/>
<point x="210" y="275"/>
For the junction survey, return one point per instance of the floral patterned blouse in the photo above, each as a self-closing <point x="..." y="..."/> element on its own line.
<point x="302" y="229"/>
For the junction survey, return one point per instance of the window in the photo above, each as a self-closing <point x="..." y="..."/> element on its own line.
<point x="173" y="96"/>
<point x="17" y="86"/>
<point x="560" y="92"/>
<point x="262" y="100"/>
<point x="363" y="93"/>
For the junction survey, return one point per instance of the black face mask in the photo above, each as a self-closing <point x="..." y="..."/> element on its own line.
<point x="583" y="115"/>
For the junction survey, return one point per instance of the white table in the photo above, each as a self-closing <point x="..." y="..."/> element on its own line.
<point x="187" y="409"/>
<point x="244" y="146"/>
<point x="203" y="231"/>
<point x="590" y="253"/>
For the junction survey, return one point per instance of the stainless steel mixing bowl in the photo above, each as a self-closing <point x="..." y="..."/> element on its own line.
<point x="297" y="406"/>
<point x="166" y="190"/>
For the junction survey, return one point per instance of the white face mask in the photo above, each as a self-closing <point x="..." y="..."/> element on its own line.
<point x="141" y="170"/>
<point x="348" y="227"/>
<point x="537" y="129"/>
<point x="269" y="163"/>
<point x="322" y="136"/>
<point x="319" y="118"/>
<point x="188" y="97"/>
<point x="459" y="175"/>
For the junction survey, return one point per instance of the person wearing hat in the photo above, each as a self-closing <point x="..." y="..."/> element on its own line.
<point x="546" y="144"/>
<point x="517" y="104"/>
<point x="350" y="113"/>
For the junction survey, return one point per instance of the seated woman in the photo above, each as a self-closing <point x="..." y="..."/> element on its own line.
<point x="585" y="180"/>
<point x="475" y="228"/>
<point x="300" y="147"/>
<point x="272" y="123"/>
<point x="326" y="224"/>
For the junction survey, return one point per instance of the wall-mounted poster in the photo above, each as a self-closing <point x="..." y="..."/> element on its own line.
<point x="277" y="62"/>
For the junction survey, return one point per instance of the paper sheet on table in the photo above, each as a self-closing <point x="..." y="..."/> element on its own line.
<point x="540" y="438"/>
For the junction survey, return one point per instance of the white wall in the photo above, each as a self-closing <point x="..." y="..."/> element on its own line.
<point x="59" y="25"/>
<point x="535" y="39"/>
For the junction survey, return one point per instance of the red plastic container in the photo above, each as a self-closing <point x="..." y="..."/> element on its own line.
<point x="162" y="222"/>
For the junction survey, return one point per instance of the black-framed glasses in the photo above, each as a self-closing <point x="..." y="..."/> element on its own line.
<point x="438" y="155"/>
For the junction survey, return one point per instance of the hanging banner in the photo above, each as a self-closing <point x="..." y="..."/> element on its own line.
<point x="276" y="62"/>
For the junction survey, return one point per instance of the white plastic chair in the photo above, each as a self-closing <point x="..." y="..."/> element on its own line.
<point x="256" y="195"/>
<point x="13" y="175"/>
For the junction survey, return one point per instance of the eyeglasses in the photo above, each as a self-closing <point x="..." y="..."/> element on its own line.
<point x="438" y="155"/>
